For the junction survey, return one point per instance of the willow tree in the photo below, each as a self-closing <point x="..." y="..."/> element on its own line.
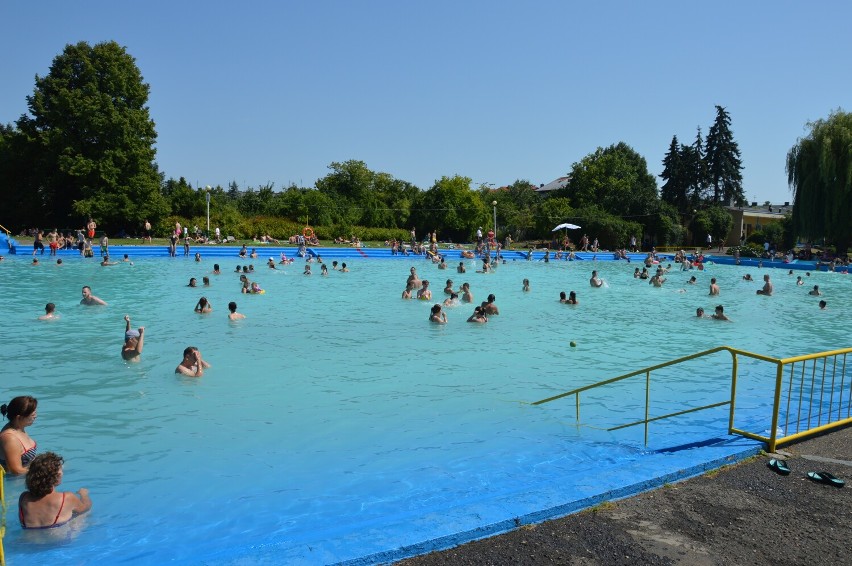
<point x="819" y="171"/>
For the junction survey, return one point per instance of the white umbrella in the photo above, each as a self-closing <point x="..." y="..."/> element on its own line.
<point x="566" y="226"/>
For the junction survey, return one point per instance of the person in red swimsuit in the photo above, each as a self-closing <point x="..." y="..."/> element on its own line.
<point x="41" y="506"/>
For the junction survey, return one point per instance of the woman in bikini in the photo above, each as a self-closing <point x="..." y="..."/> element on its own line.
<point x="41" y="506"/>
<point x="18" y="449"/>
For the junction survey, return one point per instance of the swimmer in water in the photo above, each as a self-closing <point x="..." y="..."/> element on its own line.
<point x="699" y="312"/>
<point x="343" y="268"/>
<point x="815" y="291"/>
<point x="41" y="506"/>
<point x="324" y="270"/>
<point x="478" y="316"/>
<point x="425" y="293"/>
<point x="203" y="306"/>
<point x="767" y="287"/>
<point x="714" y="288"/>
<point x="572" y="299"/>
<point x="467" y="296"/>
<point x="526" y="288"/>
<point x="460" y="268"/>
<point x="437" y="316"/>
<point x="448" y="290"/>
<point x="234" y="315"/>
<point x="134" y="340"/>
<point x="489" y="307"/>
<point x="192" y="364"/>
<point x="719" y="314"/>
<point x="193" y="282"/>
<point x="452" y="300"/>
<point x="595" y="281"/>
<point x="89" y="299"/>
<point x="49" y="312"/>
<point x="563" y="297"/>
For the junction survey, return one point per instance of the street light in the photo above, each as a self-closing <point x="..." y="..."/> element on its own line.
<point x="494" y="205"/>
<point x="208" y="210"/>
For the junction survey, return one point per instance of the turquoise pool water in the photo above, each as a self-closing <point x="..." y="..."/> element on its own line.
<point x="337" y="423"/>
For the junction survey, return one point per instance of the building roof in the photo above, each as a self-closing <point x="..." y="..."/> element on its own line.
<point x="554" y="185"/>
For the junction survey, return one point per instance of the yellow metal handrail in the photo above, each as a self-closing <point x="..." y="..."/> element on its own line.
<point x="8" y="232"/>
<point x="2" y="514"/>
<point x="774" y="439"/>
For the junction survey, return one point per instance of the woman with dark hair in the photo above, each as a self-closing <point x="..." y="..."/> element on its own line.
<point x="18" y="449"/>
<point x="42" y="507"/>
<point x="203" y="306"/>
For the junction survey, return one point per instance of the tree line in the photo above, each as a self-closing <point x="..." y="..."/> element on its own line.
<point x="86" y="149"/>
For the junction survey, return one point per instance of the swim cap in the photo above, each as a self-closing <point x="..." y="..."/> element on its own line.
<point x="131" y="334"/>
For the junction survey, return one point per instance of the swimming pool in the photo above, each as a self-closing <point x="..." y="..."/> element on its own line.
<point x="336" y="423"/>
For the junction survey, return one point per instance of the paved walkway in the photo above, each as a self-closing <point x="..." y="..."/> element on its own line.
<point x="742" y="514"/>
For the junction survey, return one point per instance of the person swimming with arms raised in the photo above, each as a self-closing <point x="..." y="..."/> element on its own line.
<point x="595" y="281"/>
<point x="134" y="341"/>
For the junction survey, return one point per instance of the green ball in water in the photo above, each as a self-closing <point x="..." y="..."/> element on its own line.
<point x="573" y="344"/>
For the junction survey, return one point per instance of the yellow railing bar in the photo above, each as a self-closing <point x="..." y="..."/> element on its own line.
<point x="659" y="366"/>
<point x="772" y="440"/>
<point x="8" y="232"/>
<point x="3" y="516"/>
<point x="652" y="419"/>
<point x="806" y="357"/>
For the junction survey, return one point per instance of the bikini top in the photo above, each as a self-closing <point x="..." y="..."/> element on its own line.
<point x="26" y="457"/>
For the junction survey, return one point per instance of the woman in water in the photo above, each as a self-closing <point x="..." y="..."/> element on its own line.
<point x="203" y="306"/>
<point x="18" y="448"/>
<point x="572" y="298"/>
<point x="41" y="506"/>
<point x="437" y="316"/>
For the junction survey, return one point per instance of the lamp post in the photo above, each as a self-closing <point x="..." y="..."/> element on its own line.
<point x="494" y="206"/>
<point x="208" y="210"/>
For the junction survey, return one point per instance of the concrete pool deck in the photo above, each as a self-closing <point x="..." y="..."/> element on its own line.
<point x="741" y="514"/>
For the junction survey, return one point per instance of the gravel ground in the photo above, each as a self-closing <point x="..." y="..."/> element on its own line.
<point x="740" y="514"/>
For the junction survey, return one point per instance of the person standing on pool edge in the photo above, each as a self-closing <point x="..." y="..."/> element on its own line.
<point x="192" y="364"/>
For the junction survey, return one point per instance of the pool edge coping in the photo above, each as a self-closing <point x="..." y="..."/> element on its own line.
<point x="486" y="531"/>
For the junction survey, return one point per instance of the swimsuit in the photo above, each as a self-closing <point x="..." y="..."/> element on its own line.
<point x="52" y="525"/>
<point x="26" y="457"/>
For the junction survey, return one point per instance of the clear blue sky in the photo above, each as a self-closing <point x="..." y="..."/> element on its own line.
<point x="267" y="91"/>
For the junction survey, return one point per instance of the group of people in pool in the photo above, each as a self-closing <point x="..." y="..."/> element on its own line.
<point x="41" y="506"/>
<point x="416" y="288"/>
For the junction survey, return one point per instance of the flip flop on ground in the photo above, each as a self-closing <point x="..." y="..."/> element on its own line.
<point x="779" y="466"/>
<point x="826" y="478"/>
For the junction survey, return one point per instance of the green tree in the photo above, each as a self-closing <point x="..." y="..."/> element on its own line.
<point x="615" y="179"/>
<point x="819" y="171"/>
<point x="94" y="139"/>
<point x="722" y="159"/>
<point x="713" y="220"/>
<point x="675" y="190"/>
<point x="451" y="208"/>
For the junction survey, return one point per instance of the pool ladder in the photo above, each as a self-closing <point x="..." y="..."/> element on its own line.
<point x="814" y="398"/>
